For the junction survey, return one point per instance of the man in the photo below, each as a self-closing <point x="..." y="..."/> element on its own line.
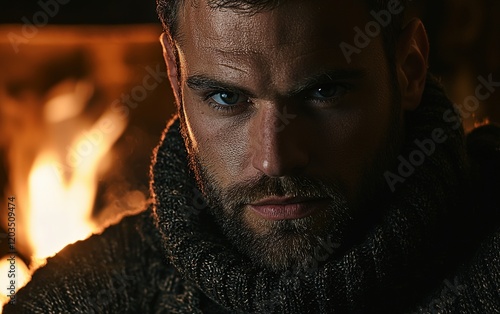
<point x="333" y="167"/>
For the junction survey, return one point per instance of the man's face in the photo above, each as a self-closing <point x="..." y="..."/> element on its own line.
<point x="287" y="138"/>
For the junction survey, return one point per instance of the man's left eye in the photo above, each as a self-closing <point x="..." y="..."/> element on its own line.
<point x="326" y="92"/>
<point x="228" y="98"/>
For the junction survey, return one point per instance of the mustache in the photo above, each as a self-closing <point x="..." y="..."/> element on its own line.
<point x="255" y="189"/>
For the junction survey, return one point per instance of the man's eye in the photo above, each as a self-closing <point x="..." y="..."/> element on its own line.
<point x="327" y="92"/>
<point x="228" y="98"/>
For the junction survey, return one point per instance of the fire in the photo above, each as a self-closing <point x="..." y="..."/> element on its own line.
<point x="478" y="124"/>
<point x="22" y="277"/>
<point x="61" y="209"/>
<point x="56" y="199"/>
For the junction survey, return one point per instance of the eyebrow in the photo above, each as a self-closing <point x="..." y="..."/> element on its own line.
<point x="203" y="82"/>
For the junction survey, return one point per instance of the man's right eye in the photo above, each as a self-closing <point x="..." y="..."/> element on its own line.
<point x="228" y="98"/>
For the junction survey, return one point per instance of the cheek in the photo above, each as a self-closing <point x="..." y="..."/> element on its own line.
<point x="219" y="144"/>
<point x="367" y="128"/>
<point x="354" y="137"/>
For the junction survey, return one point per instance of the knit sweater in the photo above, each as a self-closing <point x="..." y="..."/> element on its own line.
<point x="435" y="248"/>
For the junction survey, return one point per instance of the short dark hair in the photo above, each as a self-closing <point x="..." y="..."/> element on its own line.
<point x="168" y="10"/>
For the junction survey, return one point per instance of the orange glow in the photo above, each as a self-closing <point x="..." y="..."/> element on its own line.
<point x="57" y="133"/>
<point x="56" y="200"/>
<point x="485" y="121"/>
<point x="61" y="208"/>
<point x="22" y="277"/>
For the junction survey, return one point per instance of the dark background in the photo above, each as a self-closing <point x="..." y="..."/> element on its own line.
<point x="85" y="12"/>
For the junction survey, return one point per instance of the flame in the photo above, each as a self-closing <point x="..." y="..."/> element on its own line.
<point x="14" y="274"/>
<point x="77" y="93"/>
<point x="59" y="213"/>
<point x="57" y="200"/>
<point x="483" y="122"/>
<point x="60" y="210"/>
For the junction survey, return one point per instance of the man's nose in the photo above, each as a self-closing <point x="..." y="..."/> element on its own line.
<point x="277" y="143"/>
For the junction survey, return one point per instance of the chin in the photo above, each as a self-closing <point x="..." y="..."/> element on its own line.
<point x="299" y="245"/>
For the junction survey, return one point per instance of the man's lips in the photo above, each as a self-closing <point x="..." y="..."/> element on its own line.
<point x="287" y="208"/>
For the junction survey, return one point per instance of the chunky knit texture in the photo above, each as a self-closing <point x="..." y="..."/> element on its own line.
<point x="434" y="248"/>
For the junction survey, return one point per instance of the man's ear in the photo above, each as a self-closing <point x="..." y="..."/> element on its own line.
<point x="172" y="67"/>
<point x="412" y="55"/>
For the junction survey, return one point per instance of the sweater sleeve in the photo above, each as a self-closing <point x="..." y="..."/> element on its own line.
<point x="115" y="272"/>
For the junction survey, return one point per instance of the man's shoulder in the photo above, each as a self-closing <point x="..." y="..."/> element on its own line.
<point x="122" y="268"/>
<point x="132" y="237"/>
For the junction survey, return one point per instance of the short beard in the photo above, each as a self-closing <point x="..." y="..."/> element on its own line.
<point x="284" y="244"/>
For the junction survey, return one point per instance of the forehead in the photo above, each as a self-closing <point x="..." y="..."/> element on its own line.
<point x="269" y="28"/>
<point x="303" y="33"/>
